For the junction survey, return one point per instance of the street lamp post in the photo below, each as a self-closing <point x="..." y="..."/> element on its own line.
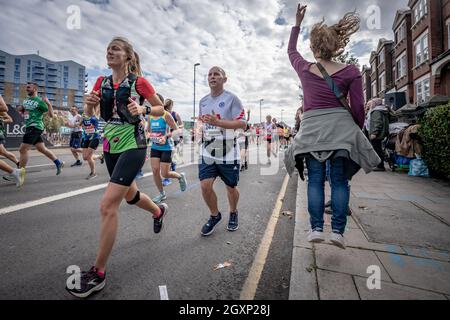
<point x="260" y="102"/>
<point x="195" y="65"/>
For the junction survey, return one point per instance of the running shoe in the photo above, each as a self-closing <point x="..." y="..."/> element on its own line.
<point x="160" y="197"/>
<point x="21" y="177"/>
<point x="183" y="182"/>
<point x="166" y="182"/>
<point x="209" y="227"/>
<point x="59" y="168"/>
<point x="76" y="163"/>
<point x="158" y="222"/>
<point x="233" y="222"/>
<point x="90" y="282"/>
<point x="91" y="176"/>
<point x="102" y="159"/>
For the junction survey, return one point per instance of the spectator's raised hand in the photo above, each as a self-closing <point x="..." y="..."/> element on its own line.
<point x="301" y="10"/>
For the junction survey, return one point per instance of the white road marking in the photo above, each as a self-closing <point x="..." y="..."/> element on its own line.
<point x="61" y="196"/>
<point x="163" y="293"/>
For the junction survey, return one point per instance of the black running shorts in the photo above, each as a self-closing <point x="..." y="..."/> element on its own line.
<point x="165" y="156"/>
<point x="32" y="136"/>
<point x="91" y="144"/>
<point x="123" y="167"/>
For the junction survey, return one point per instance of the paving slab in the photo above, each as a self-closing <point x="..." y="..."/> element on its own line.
<point x="336" y="286"/>
<point x="392" y="291"/>
<point x="349" y="261"/>
<point x="303" y="284"/>
<point x="355" y="238"/>
<point x="400" y="222"/>
<point x="416" y="272"/>
<point x="426" y="253"/>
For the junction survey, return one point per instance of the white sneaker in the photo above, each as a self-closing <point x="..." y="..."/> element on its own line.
<point x="338" y="240"/>
<point x="315" y="236"/>
<point x="18" y="176"/>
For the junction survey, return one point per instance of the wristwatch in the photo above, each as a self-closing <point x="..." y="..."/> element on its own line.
<point x="148" y="110"/>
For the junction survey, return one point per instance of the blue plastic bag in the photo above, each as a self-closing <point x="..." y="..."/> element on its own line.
<point x="418" y="168"/>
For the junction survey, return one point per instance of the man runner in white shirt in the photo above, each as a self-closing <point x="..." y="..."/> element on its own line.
<point x="221" y="113"/>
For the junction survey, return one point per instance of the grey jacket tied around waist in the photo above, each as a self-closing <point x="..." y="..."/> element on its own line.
<point x="330" y="130"/>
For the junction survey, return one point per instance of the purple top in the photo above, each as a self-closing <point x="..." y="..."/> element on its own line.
<point x="317" y="94"/>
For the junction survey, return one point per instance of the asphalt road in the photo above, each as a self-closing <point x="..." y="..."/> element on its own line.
<point x="39" y="242"/>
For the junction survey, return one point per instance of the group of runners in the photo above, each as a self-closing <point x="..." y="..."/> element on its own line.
<point x="135" y="116"/>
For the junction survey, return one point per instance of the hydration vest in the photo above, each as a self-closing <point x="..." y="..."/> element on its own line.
<point x="119" y="97"/>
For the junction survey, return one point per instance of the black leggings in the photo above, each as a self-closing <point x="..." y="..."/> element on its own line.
<point x="123" y="167"/>
<point x="378" y="147"/>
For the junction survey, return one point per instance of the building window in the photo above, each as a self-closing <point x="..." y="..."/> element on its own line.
<point x="374" y="89"/>
<point x="422" y="50"/>
<point x="422" y="90"/>
<point x="381" y="60"/>
<point x="17" y="61"/>
<point x="420" y="10"/>
<point x="401" y="67"/>
<point x="382" y="82"/>
<point x="400" y="34"/>
<point x="374" y="65"/>
<point x="448" y="34"/>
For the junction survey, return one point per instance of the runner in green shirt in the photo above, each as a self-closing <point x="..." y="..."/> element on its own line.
<point x="33" y="110"/>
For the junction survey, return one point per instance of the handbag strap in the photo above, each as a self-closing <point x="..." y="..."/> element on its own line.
<point x="334" y="88"/>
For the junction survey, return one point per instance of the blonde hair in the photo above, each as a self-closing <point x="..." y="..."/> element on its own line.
<point x="133" y="64"/>
<point x="330" y="42"/>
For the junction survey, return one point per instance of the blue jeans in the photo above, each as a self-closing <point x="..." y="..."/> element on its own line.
<point x="340" y="194"/>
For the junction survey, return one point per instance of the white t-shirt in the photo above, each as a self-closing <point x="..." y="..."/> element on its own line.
<point x="217" y="140"/>
<point x="269" y="127"/>
<point x="75" y="121"/>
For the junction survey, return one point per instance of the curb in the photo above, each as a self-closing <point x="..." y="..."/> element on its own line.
<point x="303" y="283"/>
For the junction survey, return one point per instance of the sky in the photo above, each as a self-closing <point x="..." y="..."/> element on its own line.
<point x="247" y="38"/>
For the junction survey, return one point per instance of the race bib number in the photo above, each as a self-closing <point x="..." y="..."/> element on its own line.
<point x="90" y="130"/>
<point x="26" y="115"/>
<point x="210" y="132"/>
<point x="156" y="137"/>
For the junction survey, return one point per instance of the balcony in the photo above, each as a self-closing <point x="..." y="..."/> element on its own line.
<point x="51" y="90"/>
<point x="38" y="71"/>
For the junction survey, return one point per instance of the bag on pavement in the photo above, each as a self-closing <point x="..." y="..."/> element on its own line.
<point x="418" y="168"/>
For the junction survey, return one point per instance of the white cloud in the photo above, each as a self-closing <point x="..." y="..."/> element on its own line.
<point x="172" y="35"/>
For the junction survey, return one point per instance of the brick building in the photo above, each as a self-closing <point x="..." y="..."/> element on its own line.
<point x="374" y="74"/>
<point x="384" y="53"/>
<point x="366" y="72"/>
<point x="440" y="65"/>
<point x="428" y="43"/>
<point x="403" y="54"/>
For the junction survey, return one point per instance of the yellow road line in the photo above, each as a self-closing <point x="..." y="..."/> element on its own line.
<point x="251" y="284"/>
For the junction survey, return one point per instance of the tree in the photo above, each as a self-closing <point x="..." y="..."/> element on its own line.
<point x="53" y="125"/>
<point x="348" y="59"/>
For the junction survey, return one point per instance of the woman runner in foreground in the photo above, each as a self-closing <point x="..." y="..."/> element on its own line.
<point x="121" y="97"/>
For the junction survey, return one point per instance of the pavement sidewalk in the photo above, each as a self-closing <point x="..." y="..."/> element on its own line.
<point x="399" y="224"/>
